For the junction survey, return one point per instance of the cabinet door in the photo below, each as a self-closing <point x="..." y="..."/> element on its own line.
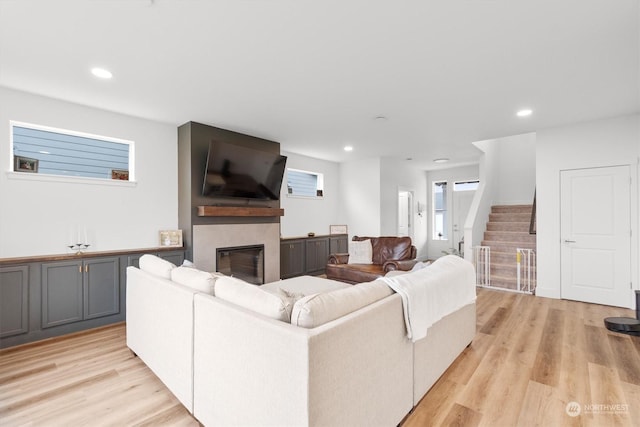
<point x="61" y="293"/>
<point x="14" y="291"/>
<point x="101" y="287"/>
<point x="339" y="245"/>
<point x="317" y="252"/>
<point x="291" y="258"/>
<point x="176" y="257"/>
<point x="134" y="260"/>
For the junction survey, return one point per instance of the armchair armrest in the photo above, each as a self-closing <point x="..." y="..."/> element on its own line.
<point x="403" y="265"/>
<point x="338" y="259"/>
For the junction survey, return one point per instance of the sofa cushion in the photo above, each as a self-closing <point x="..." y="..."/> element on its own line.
<point x="196" y="279"/>
<point x="318" y="309"/>
<point x="156" y="266"/>
<point x="360" y="252"/>
<point x="388" y="248"/>
<point x="305" y="285"/>
<point x="251" y="297"/>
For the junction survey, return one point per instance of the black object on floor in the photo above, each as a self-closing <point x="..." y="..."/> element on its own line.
<point x="625" y="325"/>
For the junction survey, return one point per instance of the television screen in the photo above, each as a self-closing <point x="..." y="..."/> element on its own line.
<point x="237" y="171"/>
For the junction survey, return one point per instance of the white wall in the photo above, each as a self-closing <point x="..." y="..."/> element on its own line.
<point x="451" y="175"/>
<point x="516" y="169"/>
<point x="36" y="216"/>
<point x="304" y="215"/>
<point x="401" y="175"/>
<point x="586" y="145"/>
<point x="359" y="205"/>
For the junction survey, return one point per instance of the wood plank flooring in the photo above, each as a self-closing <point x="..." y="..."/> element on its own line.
<point x="531" y="357"/>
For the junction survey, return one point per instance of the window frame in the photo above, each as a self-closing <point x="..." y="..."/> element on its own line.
<point x="13" y="174"/>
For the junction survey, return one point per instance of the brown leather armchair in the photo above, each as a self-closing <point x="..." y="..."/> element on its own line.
<point x="389" y="253"/>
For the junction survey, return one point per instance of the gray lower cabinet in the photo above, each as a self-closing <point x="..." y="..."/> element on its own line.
<point x="317" y="253"/>
<point x="79" y="290"/>
<point x="45" y="297"/>
<point x="338" y="244"/>
<point x="308" y="255"/>
<point x="291" y="258"/>
<point x="14" y="300"/>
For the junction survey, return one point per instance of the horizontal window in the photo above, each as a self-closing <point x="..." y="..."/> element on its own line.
<point x="466" y="185"/>
<point x="304" y="183"/>
<point x="49" y="151"/>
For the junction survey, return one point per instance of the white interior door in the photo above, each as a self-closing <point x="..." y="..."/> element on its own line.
<point x="405" y="203"/>
<point x="461" y="204"/>
<point x="596" y="235"/>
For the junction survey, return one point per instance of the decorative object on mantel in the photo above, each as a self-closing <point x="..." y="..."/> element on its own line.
<point x="171" y="238"/>
<point x="311" y="234"/>
<point x="338" y="229"/>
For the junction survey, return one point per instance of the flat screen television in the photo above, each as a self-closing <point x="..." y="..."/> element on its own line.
<point x="236" y="171"/>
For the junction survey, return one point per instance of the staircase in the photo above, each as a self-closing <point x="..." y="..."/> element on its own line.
<point x="507" y="230"/>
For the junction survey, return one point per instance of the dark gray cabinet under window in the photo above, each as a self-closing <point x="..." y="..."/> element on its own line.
<point x="79" y="290"/>
<point x="291" y="258"/>
<point x="308" y="255"/>
<point x="48" y="296"/>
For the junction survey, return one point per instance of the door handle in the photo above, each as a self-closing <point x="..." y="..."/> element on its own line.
<point x="570" y="241"/>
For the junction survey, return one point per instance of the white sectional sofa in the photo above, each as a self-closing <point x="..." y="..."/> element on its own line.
<point x="298" y="352"/>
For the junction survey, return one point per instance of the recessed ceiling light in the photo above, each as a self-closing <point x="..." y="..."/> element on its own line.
<point x="380" y="119"/>
<point x="348" y="148"/>
<point x="101" y="72"/>
<point x="524" y="113"/>
<point x="441" y="160"/>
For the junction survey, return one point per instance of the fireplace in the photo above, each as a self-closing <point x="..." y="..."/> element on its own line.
<point x="243" y="262"/>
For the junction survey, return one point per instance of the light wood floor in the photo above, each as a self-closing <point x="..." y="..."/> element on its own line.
<point x="530" y="358"/>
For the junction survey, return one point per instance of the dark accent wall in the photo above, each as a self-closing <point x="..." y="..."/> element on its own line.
<point x="193" y="148"/>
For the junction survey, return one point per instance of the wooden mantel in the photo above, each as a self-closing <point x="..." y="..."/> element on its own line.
<point x="238" y="211"/>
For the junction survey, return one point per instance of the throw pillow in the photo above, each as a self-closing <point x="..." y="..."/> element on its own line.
<point x="251" y="297"/>
<point x="360" y="252"/>
<point x="156" y="266"/>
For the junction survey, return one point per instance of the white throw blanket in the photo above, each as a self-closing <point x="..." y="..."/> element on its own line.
<point x="431" y="293"/>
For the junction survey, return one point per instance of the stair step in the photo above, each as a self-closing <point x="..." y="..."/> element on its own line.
<point x="508" y="226"/>
<point x="510" y="217"/>
<point x="508" y="270"/>
<point x="509" y="236"/>
<point x="512" y="209"/>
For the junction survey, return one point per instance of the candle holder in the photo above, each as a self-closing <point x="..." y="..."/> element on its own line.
<point x="79" y="248"/>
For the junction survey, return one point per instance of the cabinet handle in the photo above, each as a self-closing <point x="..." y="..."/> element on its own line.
<point x="86" y="268"/>
<point x="79" y="269"/>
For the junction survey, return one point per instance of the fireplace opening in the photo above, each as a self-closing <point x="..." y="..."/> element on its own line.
<point x="243" y="262"/>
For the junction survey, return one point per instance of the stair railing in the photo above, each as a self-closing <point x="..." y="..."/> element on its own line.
<point x="482" y="263"/>
<point x="526" y="270"/>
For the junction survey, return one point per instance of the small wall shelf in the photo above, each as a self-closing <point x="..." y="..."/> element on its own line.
<point x="239" y="211"/>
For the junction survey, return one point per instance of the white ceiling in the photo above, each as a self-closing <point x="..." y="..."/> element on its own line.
<point x="314" y="75"/>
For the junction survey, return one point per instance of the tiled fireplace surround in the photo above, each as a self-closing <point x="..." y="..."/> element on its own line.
<point x="209" y="237"/>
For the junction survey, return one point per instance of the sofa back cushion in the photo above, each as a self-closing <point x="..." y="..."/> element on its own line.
<point x="251" y="297"/>
<point x="196" y="279"/>
<point x="156" y="266"/>
<point x="389" y="248"/>
<point x="318" y="309"/>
